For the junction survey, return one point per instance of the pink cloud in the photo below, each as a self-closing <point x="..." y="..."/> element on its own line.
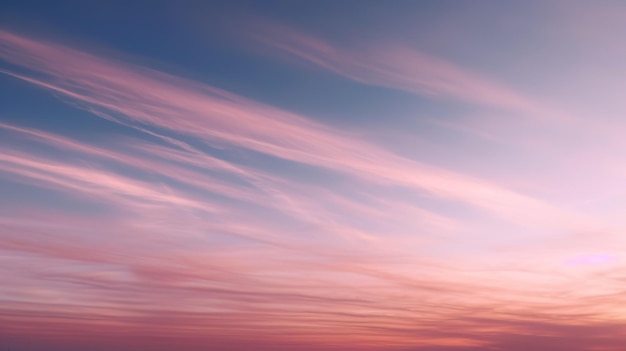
<point x="396" y="66"/>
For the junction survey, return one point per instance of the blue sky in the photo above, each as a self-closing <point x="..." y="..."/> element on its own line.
<point x="312" y="175"/>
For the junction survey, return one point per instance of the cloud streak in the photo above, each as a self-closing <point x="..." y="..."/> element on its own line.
<point x="397" y="66"/>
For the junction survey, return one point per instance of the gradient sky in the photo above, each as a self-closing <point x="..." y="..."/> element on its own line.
<point x="312" y="175"/>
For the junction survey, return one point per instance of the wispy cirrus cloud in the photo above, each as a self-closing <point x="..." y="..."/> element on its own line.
<point x="218" y="117"/>
<point x="397" y="66"/>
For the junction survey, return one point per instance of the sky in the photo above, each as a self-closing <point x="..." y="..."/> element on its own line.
<point x="312" y="175"/>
